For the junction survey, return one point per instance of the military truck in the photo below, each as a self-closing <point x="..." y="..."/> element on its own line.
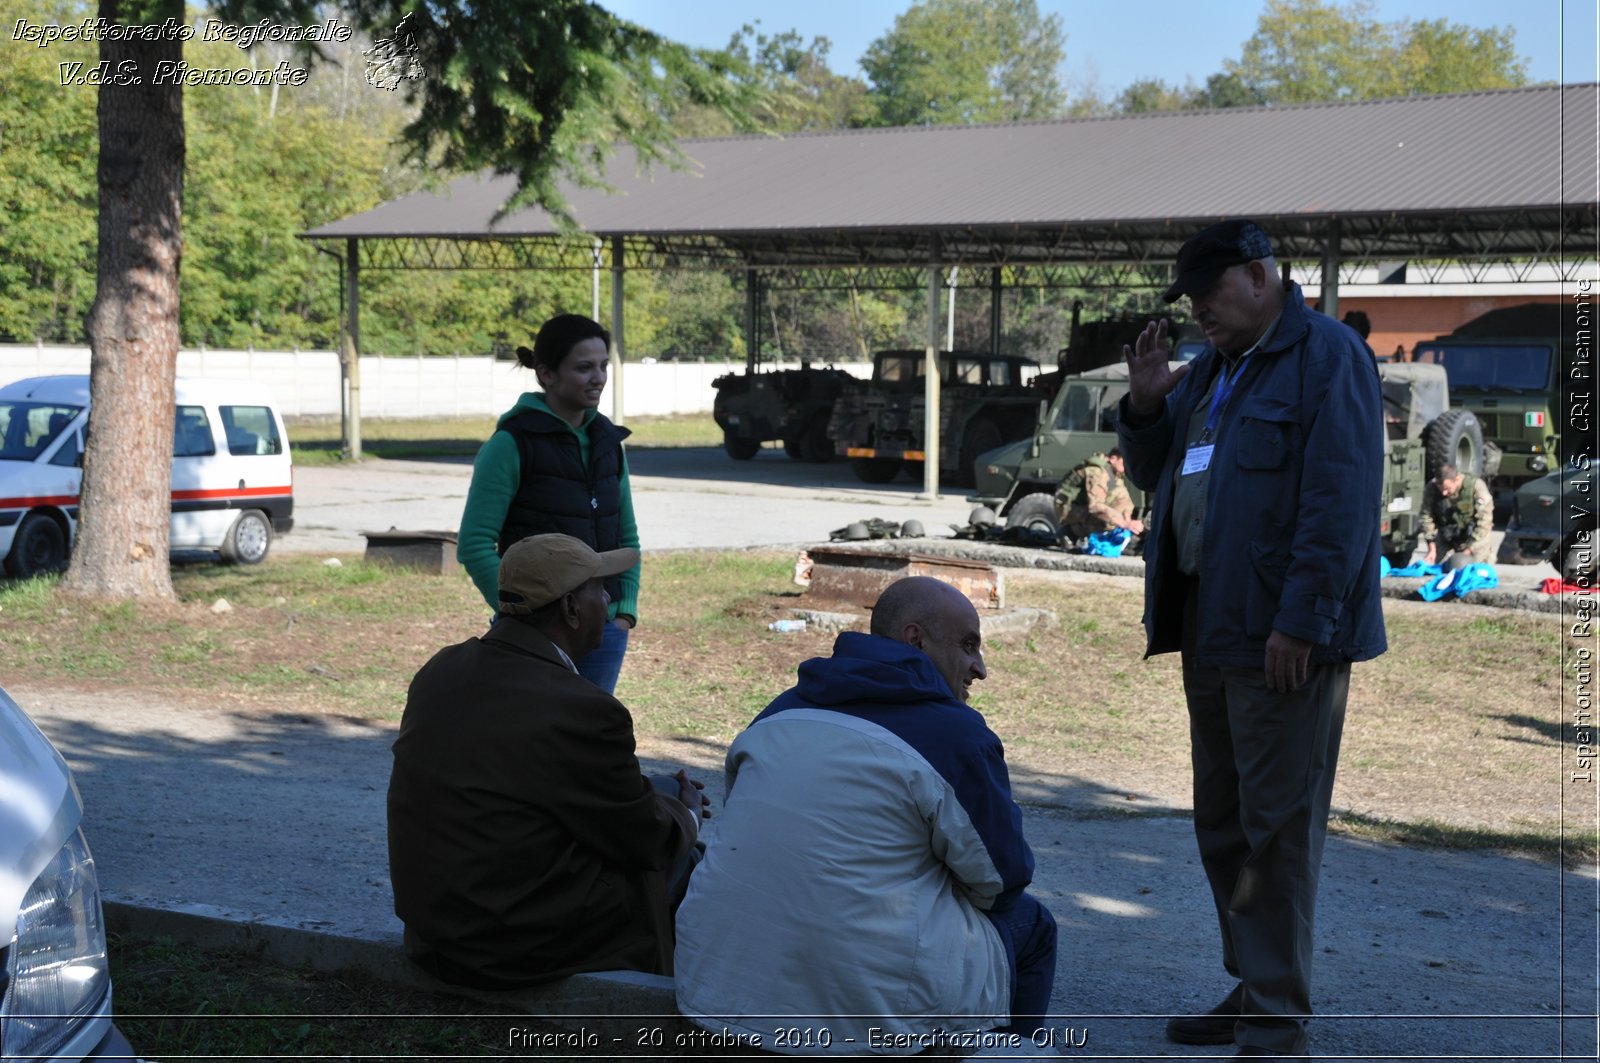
<point x="984" y="400"/>
<point x="1018" y="481"/>
<point x="792" y="405"/>
<point x="1506" y="366"/>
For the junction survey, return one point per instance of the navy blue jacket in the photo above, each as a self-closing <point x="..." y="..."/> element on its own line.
<point x="1293" y="502"/>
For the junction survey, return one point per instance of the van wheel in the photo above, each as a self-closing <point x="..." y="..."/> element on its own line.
<point x="40" y="546"/>
<point x="249" y="539"/>
<point x="1036" y="513"/>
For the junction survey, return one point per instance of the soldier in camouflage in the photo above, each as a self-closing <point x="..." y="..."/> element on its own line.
<point x="1094" y="498"/>
<point x="1457" y="516"/>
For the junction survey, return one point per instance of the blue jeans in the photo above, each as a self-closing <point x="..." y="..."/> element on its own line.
<point x="1028" y="931"/>
<point x="603" y="664"/>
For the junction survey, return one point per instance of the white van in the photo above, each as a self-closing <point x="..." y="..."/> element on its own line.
<point x="55" y="983"/>
<point x="232" y="484"/>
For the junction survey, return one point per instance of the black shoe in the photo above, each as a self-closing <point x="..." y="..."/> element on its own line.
<point x="1215" y="1027"/>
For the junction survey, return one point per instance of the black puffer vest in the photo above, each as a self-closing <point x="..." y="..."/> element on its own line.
<point x="558" y="494"/>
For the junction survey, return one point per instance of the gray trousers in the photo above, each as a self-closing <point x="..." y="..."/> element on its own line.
<point x="1263" y="779"/>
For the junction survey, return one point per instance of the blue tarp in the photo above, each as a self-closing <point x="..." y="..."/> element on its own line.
<point x="1460" y="582"/>
<point x="1107" y="544"/>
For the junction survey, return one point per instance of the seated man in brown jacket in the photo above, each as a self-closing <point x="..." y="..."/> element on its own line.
<point x="524" y="843"/>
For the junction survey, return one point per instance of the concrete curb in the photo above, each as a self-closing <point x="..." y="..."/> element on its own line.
<point x="1054" y="560"/>
<point x="607" y="1003"/>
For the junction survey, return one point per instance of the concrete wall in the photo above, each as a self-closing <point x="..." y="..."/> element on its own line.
<point x="306" y="383"/>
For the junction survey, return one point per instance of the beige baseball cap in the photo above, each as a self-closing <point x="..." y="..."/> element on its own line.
<point x="541" y="568"/>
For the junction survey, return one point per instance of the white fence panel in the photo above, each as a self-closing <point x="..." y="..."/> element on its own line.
<point x="306" y="383"/>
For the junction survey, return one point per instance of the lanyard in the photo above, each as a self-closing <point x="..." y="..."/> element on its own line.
<point x="1219" y="399"/>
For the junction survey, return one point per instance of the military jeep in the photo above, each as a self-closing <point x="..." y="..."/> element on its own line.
<point x="1421" y="432"/>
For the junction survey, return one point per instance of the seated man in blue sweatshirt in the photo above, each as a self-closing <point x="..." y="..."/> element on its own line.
<point x="865" y="889"/>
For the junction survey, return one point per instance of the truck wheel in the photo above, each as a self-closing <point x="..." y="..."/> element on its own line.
<point x="1578" y="560"/>
<point x="1455" y="438"/>
<point x="1035" y="512"/>
<point x="248" y="541"/>
<point x="815" y="446"/>
<point x="791" y="447"/>
<point x="40" y="546"/>
<point x="740" y="448"/>
<point x="913" y="470"/>
<point x="981" y="436"/>
<point x="875" y="470"/>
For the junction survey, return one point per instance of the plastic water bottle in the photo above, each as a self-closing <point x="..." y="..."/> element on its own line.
<point x="784" y="627"/>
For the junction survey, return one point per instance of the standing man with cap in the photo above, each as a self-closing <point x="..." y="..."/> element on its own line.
<point x="524" y="843"/>
<point x="1264" y="458"/>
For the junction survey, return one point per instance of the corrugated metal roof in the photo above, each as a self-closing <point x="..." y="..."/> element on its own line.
<point x="1519" y="162"/>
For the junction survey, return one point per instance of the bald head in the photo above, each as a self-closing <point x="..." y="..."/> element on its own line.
<point x="937" y="619"/>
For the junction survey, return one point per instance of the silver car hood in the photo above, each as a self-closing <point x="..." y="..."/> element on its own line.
<point x="39" y="808"/>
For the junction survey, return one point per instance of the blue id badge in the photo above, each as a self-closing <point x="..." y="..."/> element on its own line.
<point x="1197" y="458"/>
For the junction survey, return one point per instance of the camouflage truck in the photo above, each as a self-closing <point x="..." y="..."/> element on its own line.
<point x="984" y="400"/>
<point x="1421" y="432"/>
<point x="1506" y="366"/>
<point x="792" y="405"/>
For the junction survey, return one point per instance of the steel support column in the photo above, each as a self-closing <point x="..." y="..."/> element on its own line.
<point x="930" y="429"/>
<point x="617" y="269"/>
<point x="350" y="356"/>
<point x="994" y="310"/>
<point x="1330" y="270"/>
<point x="752" y="338"/>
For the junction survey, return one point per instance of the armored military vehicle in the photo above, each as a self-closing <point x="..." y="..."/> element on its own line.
<point x="984" y="400"/>
<point x="1506" y="366"/>
<point x="788" y="404"/>
<point x="1422" y="432"/>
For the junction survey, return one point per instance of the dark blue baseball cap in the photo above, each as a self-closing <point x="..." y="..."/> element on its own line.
<point x="1211" y="251"/>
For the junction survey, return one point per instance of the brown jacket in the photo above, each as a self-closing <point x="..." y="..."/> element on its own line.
<point x="524" y="843"/>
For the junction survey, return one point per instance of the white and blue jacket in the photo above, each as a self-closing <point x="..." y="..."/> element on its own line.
<point x="869" y="824"/>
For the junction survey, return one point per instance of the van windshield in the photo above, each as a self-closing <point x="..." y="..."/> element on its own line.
<point x="28" y="428"/>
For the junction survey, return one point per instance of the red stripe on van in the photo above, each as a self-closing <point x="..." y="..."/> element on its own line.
<point x="232" y="492"/>
<point x="28" y="502"/>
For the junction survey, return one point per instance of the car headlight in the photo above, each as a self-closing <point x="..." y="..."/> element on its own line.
<point x="56" y="971"/>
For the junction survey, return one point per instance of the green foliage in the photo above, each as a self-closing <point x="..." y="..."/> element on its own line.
<point x="949" y="62"/>
<point x="790" y="81"/>
<point x="1308" y="51"/>
<point x="48" y="151"/>
<point x="544" y="91"/>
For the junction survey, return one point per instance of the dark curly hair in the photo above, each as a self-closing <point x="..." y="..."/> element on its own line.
<point x="556" y="339"/>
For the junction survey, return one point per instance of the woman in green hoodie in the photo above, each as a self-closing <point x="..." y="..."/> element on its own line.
<point x="555" y="464"/>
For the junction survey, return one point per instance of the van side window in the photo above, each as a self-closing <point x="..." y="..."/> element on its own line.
<point x="251" y="430"/>
<point x="191" y="433"/>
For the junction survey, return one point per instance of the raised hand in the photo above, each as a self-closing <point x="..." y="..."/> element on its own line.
<point x="1149" y="378"/>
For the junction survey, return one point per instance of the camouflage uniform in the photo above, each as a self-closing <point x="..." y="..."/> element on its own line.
<point x="1460" y="523"/>
<point x="1092" y="498"/>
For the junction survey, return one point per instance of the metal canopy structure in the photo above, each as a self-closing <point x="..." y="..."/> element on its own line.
<point x="1504" y="178"/>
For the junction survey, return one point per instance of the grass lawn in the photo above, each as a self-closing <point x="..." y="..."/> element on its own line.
<point x="1452" y="738"/>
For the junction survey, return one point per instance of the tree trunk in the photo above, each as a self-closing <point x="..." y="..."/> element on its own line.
<point x="121" y="549"/>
